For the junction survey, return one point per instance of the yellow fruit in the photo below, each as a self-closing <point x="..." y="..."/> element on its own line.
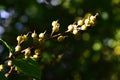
<point x="1" y="67"/>
<point x="55" y="29"/>
<point x="80" y="22"/>
<point x="92" y="18"/>
<point x="35" y="56"/>
<point x="75" y="26"/>
<point x="37" y="51"/>
<point x="55" y="23"/>
<point x="87" y="22"/>
<point x="41" y="35"/>
<point x="70" y="28"/>
<point x="10" y="63"/>
<point x="34" y="35"/>
<point x="75" y="31"/>
<point x="24" y="37"/>
<point x="83" y="27"/>
<point x="61" y="38"/>
<point x="19" y="39"/>
<point x="17" y="48"/>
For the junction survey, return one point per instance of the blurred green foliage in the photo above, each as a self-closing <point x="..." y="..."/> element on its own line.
<point x="95" y="56"/>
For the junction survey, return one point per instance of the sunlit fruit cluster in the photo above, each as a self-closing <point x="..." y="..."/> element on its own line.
<point x="36" y="41"/>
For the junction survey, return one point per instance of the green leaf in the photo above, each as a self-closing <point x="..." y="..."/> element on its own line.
<point x="8" y="46"/>
<point x="29" y="67"/>
<point x="2" y="77"/>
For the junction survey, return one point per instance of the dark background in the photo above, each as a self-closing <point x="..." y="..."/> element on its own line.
<point x="94" y="56"/>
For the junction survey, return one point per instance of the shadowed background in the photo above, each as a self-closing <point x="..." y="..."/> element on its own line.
<point x="94" y="56"/>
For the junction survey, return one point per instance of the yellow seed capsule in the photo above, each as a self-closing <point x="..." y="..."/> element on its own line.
<point x="10" y="63"/>
<point x="37" y="51"/>
<point x="55" y="23"/>
<point x="92" y="18"/>
<point x="17" y="48"/>
<point x="61" y="38"/>
<point x="75" y="26"/>
<point x="75" y="31"/>
<point x="1" y="67"/>
<point x="35" y="56"/>
<point x="42" y="35"/>
<point x="55" y="29"/>
<point x="70" y="28"/>
<point x="80" y="22"/>
<point x="19" y="39"/>
<point x="34" y="35"/>
<point x="83" y="27"/>
<point x="87" y="22"/>
<point x="24" y="37"/>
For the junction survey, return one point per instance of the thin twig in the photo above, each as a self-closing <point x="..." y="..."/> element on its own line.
<point x="10" y="71"/>
<point x="54" y="36"/>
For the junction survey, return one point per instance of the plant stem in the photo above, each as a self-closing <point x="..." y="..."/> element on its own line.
<point x="10" y="71"/>
<point x="54" y="36"/>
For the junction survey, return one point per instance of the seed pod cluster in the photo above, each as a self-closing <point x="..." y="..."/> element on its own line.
<point x="55" y="26"/>
<point x="39" y="39"/>
<point x="33" y="50"/>
<point x="82" y="24"/>
<point x="35" y="47"/>
<point x="36" y="54"/>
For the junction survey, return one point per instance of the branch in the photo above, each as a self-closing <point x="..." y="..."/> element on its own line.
<point x="54" y="36"/>
<point x="10" y="71"/>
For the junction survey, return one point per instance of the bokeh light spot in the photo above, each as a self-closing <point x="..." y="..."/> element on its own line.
<point x="117" y="35"/>
<point x="4" y="14"/>
<point x="97" y="46"/>
<point x="19" y="26"/>
<point x="111" y="43"/>
<point x="55" y="2"/>
<point x="105" y="15"/>
<point x="117" y="50"/>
